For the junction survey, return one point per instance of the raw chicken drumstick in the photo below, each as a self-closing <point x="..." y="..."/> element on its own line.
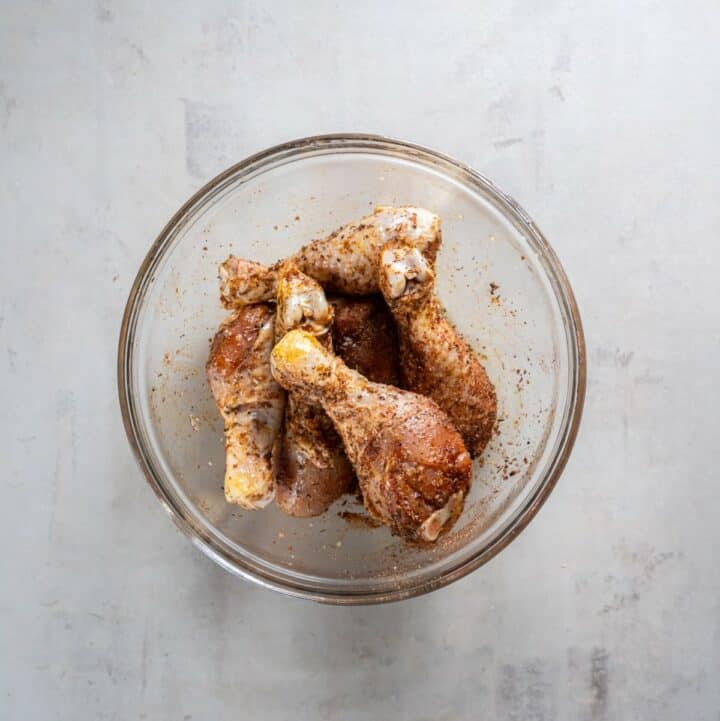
<point x="434" y="358"/>
<point x="250" y="402"/>
<point x="365" y="337"/>
<point x="313" y="469"/>
<point x="344" y="262"/>
<point x="413" y="467"/>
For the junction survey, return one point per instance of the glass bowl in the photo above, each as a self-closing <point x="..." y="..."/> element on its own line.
<point x="502" y="286"/>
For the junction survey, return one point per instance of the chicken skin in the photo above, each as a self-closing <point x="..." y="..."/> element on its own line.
<point x="413" y="467"/>
<point x="313" y="470"/>
<point x="365" y="337"/>
<point x="250" y="402"/>
<point x="434" y="358"/>
<point x="344" y="262"/>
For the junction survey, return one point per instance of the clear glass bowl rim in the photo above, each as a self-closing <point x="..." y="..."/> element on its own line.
<point x="344" y="142"/>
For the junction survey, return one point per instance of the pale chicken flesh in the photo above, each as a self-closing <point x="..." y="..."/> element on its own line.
<point x="344" y="262"/>
<point x="413" y="467"/>
<point x="313" y="470"/>
<point x="250" y="402"/>
<point x="435" y="360"/>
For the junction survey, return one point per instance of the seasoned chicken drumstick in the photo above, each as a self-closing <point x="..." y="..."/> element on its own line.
<point x="365" y="337"/>
<point x="413" y="467"/>
<point x="345" y="261"/>
<point x="250" y="402"/>
<point x="434" y="358"/>
<point x="313" y="469"/>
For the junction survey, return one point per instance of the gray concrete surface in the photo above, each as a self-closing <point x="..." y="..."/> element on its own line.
<point x="601" y="118"/>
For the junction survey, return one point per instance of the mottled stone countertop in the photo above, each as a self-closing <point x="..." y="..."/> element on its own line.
<point x="601" y="119"/>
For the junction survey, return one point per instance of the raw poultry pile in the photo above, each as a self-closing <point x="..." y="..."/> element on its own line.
<point x="373" y="383"/>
